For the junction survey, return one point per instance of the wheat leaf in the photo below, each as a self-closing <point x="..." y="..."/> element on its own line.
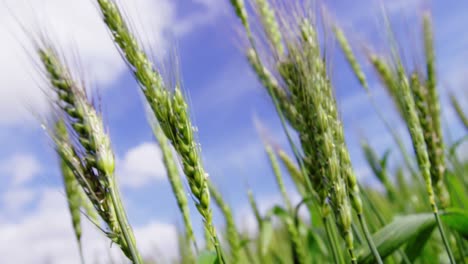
<point x="208" y="257"/>
<point x="266" y="235"/>
<point x="406" y="228"/>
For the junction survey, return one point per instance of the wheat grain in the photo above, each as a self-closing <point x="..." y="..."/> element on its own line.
<point x="413" y="122"/>
<point x="233" y="237"/>
<point x="94" y="167"/>
<point x="349" y="54"/>
<point x="270" y="25"/>
<point x="241" y="12"/>
<point x="72" y="188"/>
<point x="279" y="179"/>
<point x="170" y="111"/>
<point x="458" y="110"/>
<point x="435" y="141"/>
<point x="176" y="184"/>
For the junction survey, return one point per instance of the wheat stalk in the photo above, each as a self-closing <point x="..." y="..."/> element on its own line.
<point x="385" y="75"/>
<point x="233" y="237"/>
<point x="459" y="110"/>
<point x="277" y="172"/>
<point x="293" y="170"/>
<point x="433" y="133"/>
<point x="91" y="158"/>
<point x="169" y="109"/>
<point x="406" y="100"/>
<point x="72" y="187"/>
<point x="270" y="25"/>
<point x="419" y="107"/>
<point x="176" y="184"/>
<point x="427" y="124"/>
<point x="379" y="170"/>
<point x="304" y="75"/>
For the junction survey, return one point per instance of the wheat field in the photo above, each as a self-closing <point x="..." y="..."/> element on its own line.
<point x="410" y="207"/>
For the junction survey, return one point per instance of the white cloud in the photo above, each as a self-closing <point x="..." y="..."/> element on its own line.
<point x="77" y="28"/>
<point x="141" y="165"/>
<point x="245" y="217"/>
<point x="211" y="9"/>
<point x="14" y="200"/>
<point x="48" y="236"/>
<point x="20" y="168"/>
<point x="157" y="240"/>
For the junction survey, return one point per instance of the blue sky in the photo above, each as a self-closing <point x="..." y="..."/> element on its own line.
<point x="225" y="100"/>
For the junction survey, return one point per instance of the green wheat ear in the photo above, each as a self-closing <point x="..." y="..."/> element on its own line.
<point x="292" y="168"/>
<point x="241" y="12"/>
<point x="176" y="185"/>
<point x="270" y="25"/>
<point x="349" y="54"/>
<point x="435" y="151"/>
<point x="279" y="178"/>
<point x="379" y="169"/>
<point x="459" y="110"/>
<point x="91" y="157"/>
<point x="293" y="67"/>
<point x="304" y="95"/>
<point x="433" y="133"/>
<point x="408" y="104"/>
<point x="72" y="187"/>
<point x="169" y="108"/>
<point x="233" y="237"/>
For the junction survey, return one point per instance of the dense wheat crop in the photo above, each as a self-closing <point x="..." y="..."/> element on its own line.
<point x="420" y="216"/>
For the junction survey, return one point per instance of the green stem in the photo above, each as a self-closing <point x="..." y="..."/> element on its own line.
<point x="80" y="249"/>
<point x="124" y="225"/>
<point x="372" y="206"/>
<point x="367" y="234"/>
<point x="459" y="170"/>
<point x="249" y="255"/>
<point x="353" y="257"/>
<point x="396" y="137"/>
<point x="218" y="248"/>
<point x="461" y="248"/>
<point x="444" y="237"/>
<point x="279" y="112"/>
<point x="381" y="220"/>
<point x="331" y="241"/>
<point x="356" y="233"/>
<point x="336" y="241"/>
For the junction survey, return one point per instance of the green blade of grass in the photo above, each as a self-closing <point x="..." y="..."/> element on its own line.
<point x="405" y="228"/>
